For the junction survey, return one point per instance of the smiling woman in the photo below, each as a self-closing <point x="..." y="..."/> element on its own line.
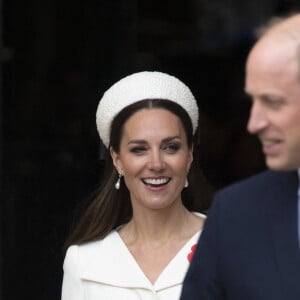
<point x="137" y="236"/>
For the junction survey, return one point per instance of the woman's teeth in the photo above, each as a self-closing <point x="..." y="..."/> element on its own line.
<point x="156" y="181"/>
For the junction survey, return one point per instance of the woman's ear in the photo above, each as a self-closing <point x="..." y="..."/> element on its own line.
<point x="191" y="157"/>
<point x="115" y="158"/>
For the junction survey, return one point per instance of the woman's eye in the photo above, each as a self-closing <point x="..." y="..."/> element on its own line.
<point x="138" y="150"/>
<point x="172" y="148"/>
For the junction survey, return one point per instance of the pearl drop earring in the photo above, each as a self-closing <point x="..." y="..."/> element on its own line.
<point x="118" y="183"/>
<point x="186" y="183"/>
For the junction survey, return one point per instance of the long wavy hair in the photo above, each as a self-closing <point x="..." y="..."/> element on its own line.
<point x="109" y="207"/>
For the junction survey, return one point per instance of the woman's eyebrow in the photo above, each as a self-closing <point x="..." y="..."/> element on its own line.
<point x="143" y="142"/>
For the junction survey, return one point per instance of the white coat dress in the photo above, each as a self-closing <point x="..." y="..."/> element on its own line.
<point x="106" y="270"/>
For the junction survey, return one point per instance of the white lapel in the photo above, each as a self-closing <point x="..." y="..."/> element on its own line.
<point x="109" y="261"/>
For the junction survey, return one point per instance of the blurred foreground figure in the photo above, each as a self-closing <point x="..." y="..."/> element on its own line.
<point x="249" y="248"/>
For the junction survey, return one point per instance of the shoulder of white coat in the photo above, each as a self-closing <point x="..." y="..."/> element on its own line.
<point x="89" y="257"/>
<point x="198" y="214"/>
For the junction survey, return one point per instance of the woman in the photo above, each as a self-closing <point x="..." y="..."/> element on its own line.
<point x="137" y="237"/>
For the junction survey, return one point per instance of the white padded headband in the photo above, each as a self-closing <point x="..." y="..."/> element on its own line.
<point x="140" y="86"/>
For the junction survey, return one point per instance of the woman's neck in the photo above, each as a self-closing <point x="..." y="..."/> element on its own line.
<point x="158" y="227"/>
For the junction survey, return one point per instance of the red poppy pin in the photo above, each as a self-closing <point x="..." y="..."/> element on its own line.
<point x="191" y="254"/>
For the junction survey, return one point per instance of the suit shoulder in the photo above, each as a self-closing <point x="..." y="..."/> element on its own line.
<point x="256" y="182"/>
<point x="255" y="188"/>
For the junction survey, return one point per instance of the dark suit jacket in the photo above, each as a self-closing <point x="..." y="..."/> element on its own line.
<point x="249" y="248"/>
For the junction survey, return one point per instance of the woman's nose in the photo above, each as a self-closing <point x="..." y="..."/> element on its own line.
<point x="156" y="161"/>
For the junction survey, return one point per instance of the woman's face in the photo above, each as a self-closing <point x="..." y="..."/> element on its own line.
<point x="154" y="158"/>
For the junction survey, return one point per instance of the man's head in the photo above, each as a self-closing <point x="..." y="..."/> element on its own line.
<point x="273" y="83"/>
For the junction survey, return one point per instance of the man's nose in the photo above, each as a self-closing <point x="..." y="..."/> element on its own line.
<point x="257" y="119"/>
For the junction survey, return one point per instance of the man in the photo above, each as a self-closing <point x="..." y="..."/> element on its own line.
<point x="250" y="246"/>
